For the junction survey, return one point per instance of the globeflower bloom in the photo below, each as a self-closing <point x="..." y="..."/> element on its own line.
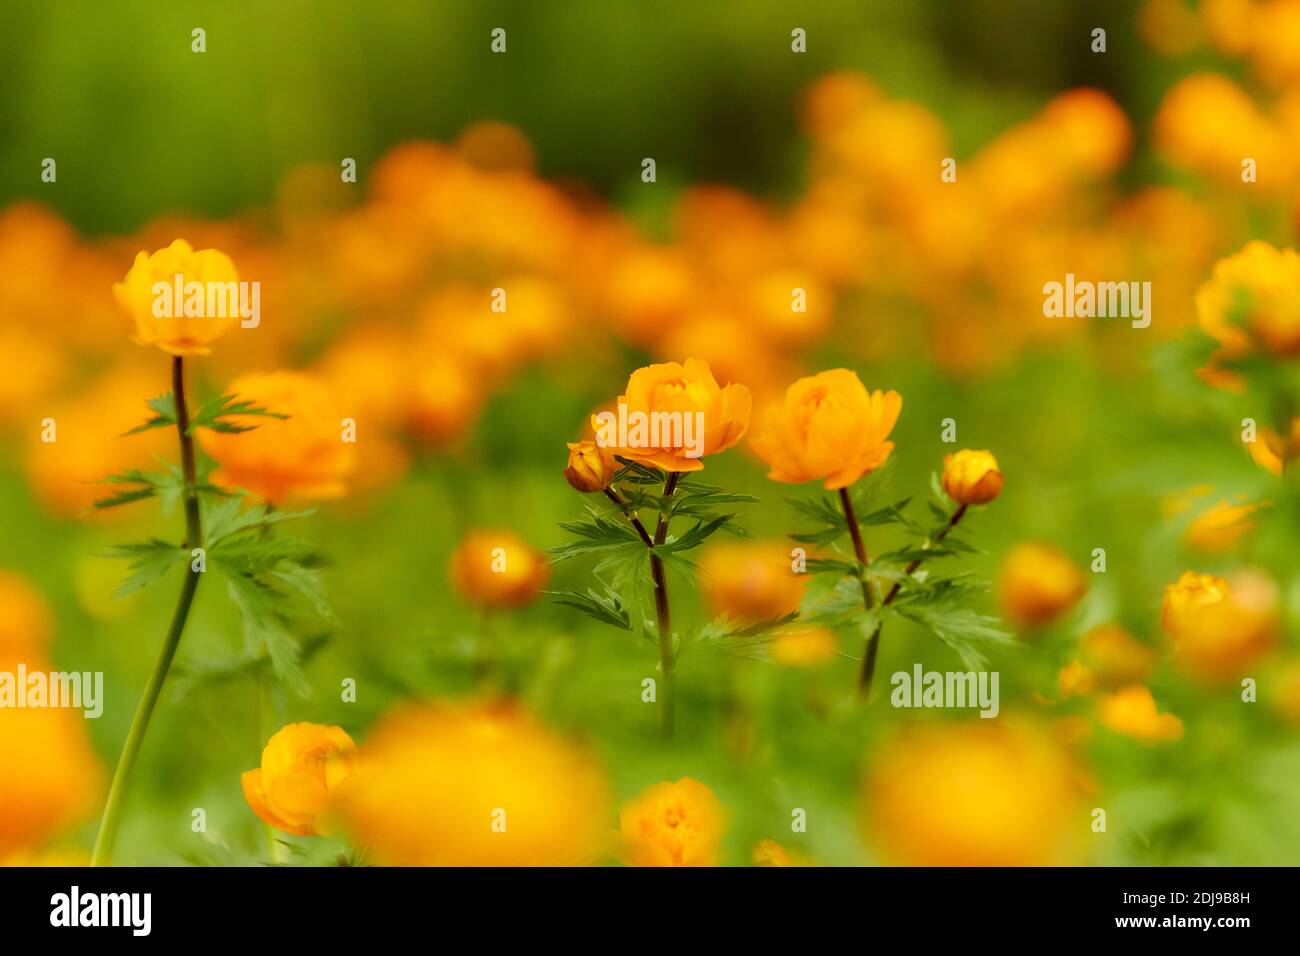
<point x="973" y="794"/>
<point x="971" y="477"/>
<point x="1253" y="300"/>
<point x="1219" y="627"/>
<point x="498" y="569"/>
<point x="1038" y="584"/>
<point x="676" y="415"/>
<point x="1131" y="711"/>
<point x="300" y="456"/>
<point x="750" y="580"/>
<point x="303" y="766"/>
<point x="474" y="784"/>
<point x="178" y="333"/>
<point x="590" y="467"/>
<point x="829" y="427"/>
<point x="673" y="824"/>
<point x="1220" y="527"/>
<point x="1115" y="657"/>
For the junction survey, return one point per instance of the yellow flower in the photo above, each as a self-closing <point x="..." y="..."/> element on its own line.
<point x="750" y="580"/>
<point x="303" y="766"/>
<point x="1075" y="680"/>
<point x="1114" y="657"/>
<point x="677" y="414"/>
<point x="497" y="568"/>
<point x="829" y="427"/>
<point x="474" y="784"/>
<point x="163" y="321"/>
<point x="1217" y="627"/>
<point x="768" y="852"/>
<point x="1253" y="299"/>
<point x="1038" y="584"/>
<point x="973" y="794"/>
<point x="1220" y="527"/>
<point x="971" y="477"/>
<point x="301" y="456"/>
<point x="25" y="620"/>
<point x="673" y="824"/>
<point x="1131" y="711"/>
<point x="590" y="466"/>
<point x="1271" y="451"/>
<point x="804" y="647"/>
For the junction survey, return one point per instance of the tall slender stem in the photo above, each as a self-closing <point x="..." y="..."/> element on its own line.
<point x="112" y="819"/>
<point x="868" y="596"/>
<point x="912" y="565"/>
<point x="662" y="613"/>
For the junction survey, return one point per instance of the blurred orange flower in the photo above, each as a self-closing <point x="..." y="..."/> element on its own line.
<point x="750" y="580"/>
<point x="1253" y="300"/>
<point x="1219" y="627"/>
<point x="829" y="427"/>
<point x="497" y="568"/>
<point x="303" y="766"/>
<point x="673" y="824"/>
<point x="301" y="456"/>
<point x="974" y="794"/>
<point x="1131" y="711"/>
<point x="474" y="784"/>
<point x="1038" y="583"/>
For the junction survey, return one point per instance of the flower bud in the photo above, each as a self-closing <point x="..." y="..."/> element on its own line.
<point x="971" y="477"/>
<point x="590" y="467"/>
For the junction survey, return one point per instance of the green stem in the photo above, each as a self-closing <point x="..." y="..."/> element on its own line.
<point x="113" y="807"/>
<point x="868" y="596"/>
<point x="663" y="615"/>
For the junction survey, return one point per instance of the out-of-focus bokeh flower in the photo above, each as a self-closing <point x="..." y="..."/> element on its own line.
<point x="971" y="477"/>
<point x="300" y="456"/>
<point x="1252" y="302"/>
<point x="750" y="580"/>
<point x="498" y="569"/>
<point x="677" y="823"/>
<point x="26" y="624"/>
<point x="590" y="466"/>
<point x="1219" y="627"/>
<point x="474" y="784"/>
<point x="767" y="852"/>
<point x="688" y="391"/>
<point x="1272" y="451"/>
<point x="1038" y="583"/>
<point x="974" y="794"/>
<point x="1220" y="527"/>
<point x="1132" y="711"/>
<point x="1114" y="656"/>
<point x="172" y="327"/>
<point x="303" y="766"/>
<point x="829" y="427"/>
<point x="803" y="647"/>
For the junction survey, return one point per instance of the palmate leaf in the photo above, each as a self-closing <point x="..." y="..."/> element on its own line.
<point x="149" y="561"/>
<point x="942" y="606"/>
<point x="213" y="414"/>
<point x="164" y="409"/>
<point x="607" y="609"/>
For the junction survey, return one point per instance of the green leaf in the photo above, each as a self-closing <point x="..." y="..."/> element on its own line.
<point x="164" y="408"/>
<point x="150" y="560"/>
<point x="607" y="609"/>
<point x="261" y="611"/>
<point x="213" y="413"/>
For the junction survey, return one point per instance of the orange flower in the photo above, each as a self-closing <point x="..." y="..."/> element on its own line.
<point x="474" y="784"/>
<point x="1038" y="584"/>
<point x="303" y="455"/>
<point x="830" y="427"/>
<point x="804" y="647"/>
<point x="750" y="580"/>
<point x="180" y="325"/>
<point x="498" y="569"/>
<point x="971" y="477"/>
<point x="590" y="466"/>
<point x="303" y="766"/>
<point x="1219" y="628"/>
<point x="673" y="824"/>
<point x="768" y="852"/>
<point x="1115" y="657"/>
<point x="973" y="794"/>
<point x="676" y="414"/>
<point x="1075" y="680"/>
<point x="1272" y="452"/>
<point x="25" y="620"/>
<point x="1220" y="527"/>
<point x="1253" y="299"/>
<point x="1131" y="711"/>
